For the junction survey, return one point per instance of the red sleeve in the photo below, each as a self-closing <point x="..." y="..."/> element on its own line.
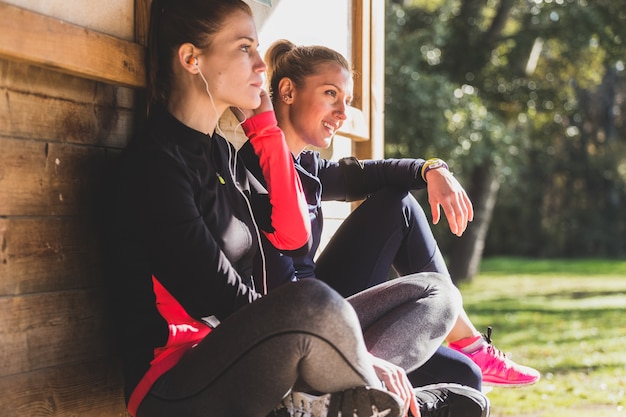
<point x="289" y="218"/>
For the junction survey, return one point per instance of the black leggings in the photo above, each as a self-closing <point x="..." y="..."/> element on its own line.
<point x="390" y="229"/>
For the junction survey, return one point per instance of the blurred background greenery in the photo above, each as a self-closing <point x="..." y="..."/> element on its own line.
<point x="525" y="99"/>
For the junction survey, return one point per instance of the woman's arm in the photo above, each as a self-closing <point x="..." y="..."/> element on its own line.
<point x="289" y="226"/>
<point x="351" y="179"/>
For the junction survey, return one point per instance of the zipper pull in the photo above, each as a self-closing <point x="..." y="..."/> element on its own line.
<point x="220" y="178"/>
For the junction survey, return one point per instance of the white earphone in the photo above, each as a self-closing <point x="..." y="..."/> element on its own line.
<point x="232" y="165"/>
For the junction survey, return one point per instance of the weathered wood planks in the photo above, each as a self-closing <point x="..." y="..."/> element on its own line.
<point x="69" y="48"/>
<point x="65" y="114"/>
<point x="58" y="135"/>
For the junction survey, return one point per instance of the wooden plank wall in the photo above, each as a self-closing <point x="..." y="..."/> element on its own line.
<point x="57" y="133"/>
<point x="66" y="110"/>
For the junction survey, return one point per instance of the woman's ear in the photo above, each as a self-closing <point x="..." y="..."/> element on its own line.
<point x="286" y="90"/>
<point x="188" y="57"/>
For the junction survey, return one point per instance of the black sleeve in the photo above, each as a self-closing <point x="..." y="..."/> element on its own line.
<point x="351" y="179"/>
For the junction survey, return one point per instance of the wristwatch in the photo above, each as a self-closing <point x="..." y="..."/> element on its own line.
<point x="433" y="163"/>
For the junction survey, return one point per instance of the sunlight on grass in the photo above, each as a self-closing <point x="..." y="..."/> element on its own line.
<point x="565" y="318"/>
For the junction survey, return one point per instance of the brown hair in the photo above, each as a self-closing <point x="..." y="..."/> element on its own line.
<point x="285" y="59"/>
<point x="175" y="22"/>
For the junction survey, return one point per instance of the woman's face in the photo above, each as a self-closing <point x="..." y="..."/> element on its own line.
<point x="232" y="64"/>
<point x="319" y="106"/>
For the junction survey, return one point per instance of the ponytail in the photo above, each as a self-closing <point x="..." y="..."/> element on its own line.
<point x="287" y="60"/>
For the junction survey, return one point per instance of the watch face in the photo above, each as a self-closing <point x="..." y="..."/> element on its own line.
<point x="435" y="165"/>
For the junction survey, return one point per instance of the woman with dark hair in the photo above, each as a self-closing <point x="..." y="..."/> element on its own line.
<point x="198" y="337"/>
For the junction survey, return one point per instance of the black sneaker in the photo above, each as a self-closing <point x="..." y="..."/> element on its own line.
<point x="451" y="400"/>
<point x="357" y="402"/>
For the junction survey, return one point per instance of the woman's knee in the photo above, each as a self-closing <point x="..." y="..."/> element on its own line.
<point x="312" y="299"/>
<point x="388" y="201"/>
<point x="433" y="284"/>
<point x="428" y="281"/>
<point x="444" y="284"/>
<point x="402" y="200"/>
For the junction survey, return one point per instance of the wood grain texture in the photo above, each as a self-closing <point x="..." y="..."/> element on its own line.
<point x="67" y="108"/>
<point x="47" y="118"/>
<point x="49" y="179"/>
<point x="58" y="134"/>
<point x="90" y="389"/>
<point x="31" y="79"/>
<point x="54" y="329"/>
<point x="44" y="254"/>
<point x="142" y="21"/>
<point x="69" y="48"/>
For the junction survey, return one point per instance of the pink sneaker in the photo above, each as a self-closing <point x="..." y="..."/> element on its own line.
<point x="498" y="370"/>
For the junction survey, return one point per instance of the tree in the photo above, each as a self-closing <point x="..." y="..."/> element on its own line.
<point x="497" y="86"/>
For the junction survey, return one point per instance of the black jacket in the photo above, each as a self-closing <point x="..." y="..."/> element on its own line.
<point x="182" y="216"/>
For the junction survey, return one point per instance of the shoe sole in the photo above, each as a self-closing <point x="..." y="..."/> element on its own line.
<point x="508" y="384"/>
<point x="354" y="402"/>
<point x="364" y="402"/>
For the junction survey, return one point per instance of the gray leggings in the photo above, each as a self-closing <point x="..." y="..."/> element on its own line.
<point x="304" y="336"/>
<point x="406" y="319"/>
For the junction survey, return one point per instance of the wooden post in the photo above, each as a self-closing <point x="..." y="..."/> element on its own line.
<point x="368" y="52"/>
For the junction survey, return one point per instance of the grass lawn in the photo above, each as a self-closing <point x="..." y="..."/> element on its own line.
<point x="566" y="318"/>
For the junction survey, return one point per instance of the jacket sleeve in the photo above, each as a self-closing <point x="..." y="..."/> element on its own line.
<point x="351" y="179"/>
<point x="288" y="226"/>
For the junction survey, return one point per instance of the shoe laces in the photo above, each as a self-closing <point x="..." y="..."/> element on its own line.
<point x="437" y="408"/>
<point x="494" y="351"/>
<point x="487" y="336"/>
<point x="491" y="348"/>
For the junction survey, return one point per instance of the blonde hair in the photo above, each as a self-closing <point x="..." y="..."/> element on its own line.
<point x="284" y="59"/>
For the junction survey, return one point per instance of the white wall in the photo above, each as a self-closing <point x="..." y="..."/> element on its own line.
<point x="321" y="22"/>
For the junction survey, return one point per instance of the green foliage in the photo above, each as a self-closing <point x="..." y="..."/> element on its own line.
<point x="564" y="318"/>
<point x="533" y="89"/>
<point x="427" y="115"/>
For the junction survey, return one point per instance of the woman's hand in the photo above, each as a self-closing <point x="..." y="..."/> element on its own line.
<point x="397" y="382"/>
<point x="444" y="190"/>
<point x="243" y="114"/>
